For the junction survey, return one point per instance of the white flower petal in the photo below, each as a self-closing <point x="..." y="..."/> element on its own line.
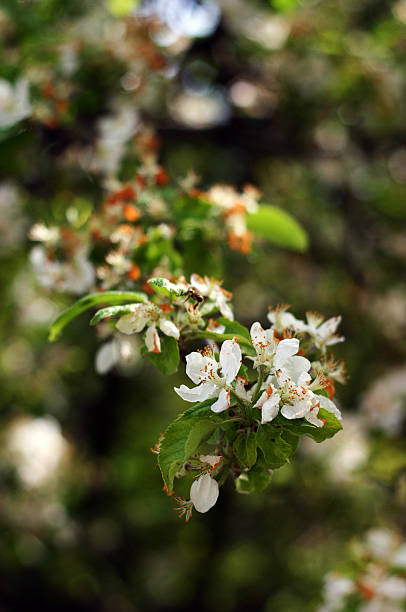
<point x="224" y="308"/>
<point x="133" y="322"/>
<point x="223" y="401"/>
<point x="152" y="340"/>
<point x="199" y="283"/>
<point x="197" y="394"/>
<point x="204" y="493"/>
<point x="212" y="460"/>
<point x="258" y="337"/>
<point x="230" y="359"/>
<point x="329" y="327"/>
<point x="169" y="328"/>
<point x="194" y="366"/>
<point x="297" y="369"/>
<point x="200" y="367"/>
<point x="284" y="350"/>
<point x="261" y="401"/>
<point x="215" y="327"/>
<point x="125" y="324"/>
<point x="270" y="408"/>
<point x="283" y="320"/>
<point x="334" y="340"/>
<point x="311" y="417"/>
<point x="295" y="411"/>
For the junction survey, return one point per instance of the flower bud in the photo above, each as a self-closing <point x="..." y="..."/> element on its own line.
<point x="204" y="493"/>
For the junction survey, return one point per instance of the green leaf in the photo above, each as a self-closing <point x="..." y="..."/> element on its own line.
<point x="245" y="449"/>
<point x="291" y="438"/>
<point x="121" y="8"/>
<point x="112" y="311"/>
<point x="301" y="427"/>
<point x="284" y="6"/>
<point x="278" y="226"/>
<point x="164" y="287"/>
<point x="254" y="481"/>
<point x="89" y="301"/>
<point x="181" y="441"/>
<point x="275" y="449"/>
<point x="233" y="327"/>
<point x="168" y="359"/>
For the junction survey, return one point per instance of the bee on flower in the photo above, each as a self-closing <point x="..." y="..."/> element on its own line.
<point x="211" y="289"/>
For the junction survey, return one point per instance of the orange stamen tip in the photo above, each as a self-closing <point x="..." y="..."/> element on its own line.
<point x="131" y="212"/>
<point x="135" y="272"/>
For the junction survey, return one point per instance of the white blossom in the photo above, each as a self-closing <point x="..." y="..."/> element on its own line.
<point x="114" y="131"/>
<point x="270" y="351"/>
<point x="37" y="447"/>
<point x="323" y="334"/>
<point x="203" y="370"/>
<point x="280" y="320"/>
<point x="287" y="387"/>
<point x="148" y="315"/>
<point x="336" y="589"/>
<point x="75" y="276"/>
<point x="383" y="405"/>
<point x="41" y="233"/>
<point x="211" y="288"/>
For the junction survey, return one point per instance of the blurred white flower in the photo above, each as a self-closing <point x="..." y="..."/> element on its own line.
<point x="114" y="131"/>
<point x="119" y="351"/>
<point x="76" y="276"/>
<point x="384" y="404"/>
<point x="14" y="102"/>
<point x="323" y="333"/>
<point x="280" y="319"/>
<point x="343" y="454"/>
<point x="37" y="448"/>
<point x="373" y="576"/>
<point x="336" y="588"/>
<point x="200" y="111"/>
<point x="41" y="233"/>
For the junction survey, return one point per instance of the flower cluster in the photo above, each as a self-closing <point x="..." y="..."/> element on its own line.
<point x="61" y="260"/>
<point x="267" y="381"/>
<point x="132" y="254"/>
<point x="144" y="226"/>
<point x="375" y="582"/>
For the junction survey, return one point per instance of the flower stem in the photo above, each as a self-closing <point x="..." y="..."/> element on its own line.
<point x="257" y="389"/>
